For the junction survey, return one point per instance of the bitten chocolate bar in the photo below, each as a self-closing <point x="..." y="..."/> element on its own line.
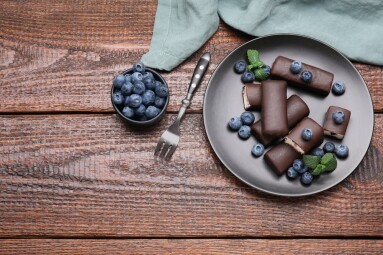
<point x="301" y="145"/>
<point x="297" y="109"/>
<point x="281" y="157"/>
<point x="331" y="127"/>
<point x="274" y="108"/>
<point x="320" y="83"/>
<point x="252" y="94"/>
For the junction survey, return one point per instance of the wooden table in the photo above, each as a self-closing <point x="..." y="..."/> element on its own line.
<point x="75" y="180"/>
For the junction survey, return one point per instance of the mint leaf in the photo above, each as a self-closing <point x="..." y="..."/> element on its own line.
<point x="331" y="166"/>
<point x="329" y="161"/>
<point x="326" y="158"/>
<point x="319" y="169"/>
<point x="311" y="161"/>
<point x="253" y="56"/>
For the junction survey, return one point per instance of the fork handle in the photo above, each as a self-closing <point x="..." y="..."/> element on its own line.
<point x="198" y="74"/>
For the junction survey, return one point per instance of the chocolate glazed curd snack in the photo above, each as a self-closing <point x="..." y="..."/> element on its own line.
<point x="302" y="75"/>
<point x="297" y="138"/>
<point x="336" y="122"/>
<point x="297" y="109"/>
<point x="281" y="157"/>
<point x="296" y="144"/>
<point x="274" y="108"/>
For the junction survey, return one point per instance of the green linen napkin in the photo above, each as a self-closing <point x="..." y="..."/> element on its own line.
<point x="354" y="27"/>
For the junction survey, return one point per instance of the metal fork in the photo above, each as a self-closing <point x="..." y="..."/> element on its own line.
<point x="170" y="138"/>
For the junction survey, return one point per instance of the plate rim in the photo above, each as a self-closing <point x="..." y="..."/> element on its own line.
<point x="244" y="180"/>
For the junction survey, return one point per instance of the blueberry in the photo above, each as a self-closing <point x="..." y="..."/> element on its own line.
<point x="118" y="98"/>
<point x="128" y="78"/>
<point x="267" y="69"/>
<point x="139" y="67"/>
<point x="317" y="152"/>
<point x="247" y="118"/>
<point x="235" y="123"/>
<point x="306" y="178"/>
<point x="298" y="165"/>
<point x="149" y="83"/>
<point x="247" y="77"/>
<point x="127" y="88"/>
<point x="159" y="101"/>
<point x="136" y="76"/>
<point x="142" y="118"/>
<point x="127" y="100"/>
<point x="135" y="100"/>
<point x="306" y="76"/>
<point x="152" y="112"/>
<point x="240" y="67"/>
<point x="244" y="132"/>
<point x="291" y="173"/>
<point x="303" y="170"/>
<point x="128" y="112"/>
<point x="158" y="83"/>
<point x="341" y="151"/>
<point x="338" y="117"/>
<point x="338" y="88"/>
<point x="147" y="74"/>
<point x="295" y="67"/>
<point x="258" y="150"/>
<point x="328" y="147"/>
<point x="307" y="134"/>
<point x="118" y="81"/>
<point x="138" y="87"/>
<point x="140" y="110"/>
<point x="161" y="91"/>
<point x="148" y="97"/>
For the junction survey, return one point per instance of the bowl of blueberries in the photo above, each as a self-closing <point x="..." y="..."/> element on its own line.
<point x="140" y="95"/>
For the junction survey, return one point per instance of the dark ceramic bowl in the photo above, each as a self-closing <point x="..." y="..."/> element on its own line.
<point x="146" y="123"/>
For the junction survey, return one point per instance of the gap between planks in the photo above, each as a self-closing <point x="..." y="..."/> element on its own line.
<point x="194" y="237"/>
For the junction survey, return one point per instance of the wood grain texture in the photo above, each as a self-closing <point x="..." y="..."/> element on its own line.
<point x="90" y="176"/>
<point x="190" y="247"/>
<point x="62" y="56"/>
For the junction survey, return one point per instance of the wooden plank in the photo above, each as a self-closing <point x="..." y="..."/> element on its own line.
<point x="89" y="175"/>
<point x="190" y="246"/>
<point x="61" y="57"/>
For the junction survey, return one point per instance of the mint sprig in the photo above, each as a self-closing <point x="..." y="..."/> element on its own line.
<point x="256" y="65"/>
<point x="319" y="165"/>
<point x="329" y="161"/>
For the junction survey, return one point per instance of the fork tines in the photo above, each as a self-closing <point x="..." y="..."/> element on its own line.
<point x="164" y="149"/>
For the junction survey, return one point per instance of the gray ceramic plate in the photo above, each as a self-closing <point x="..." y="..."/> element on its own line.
<point x="223" y="100"/>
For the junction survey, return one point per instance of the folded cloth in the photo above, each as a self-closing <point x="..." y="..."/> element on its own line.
<point x="354" y="27"/>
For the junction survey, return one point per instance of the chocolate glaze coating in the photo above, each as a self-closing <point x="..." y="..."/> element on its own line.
<point x="297" y="109"/>
<point x="321" y="80"/>
<point x="274" y="108"/>
<point x="257" y="131"/>
<point x="281" y="157"/>
<point x="252" y="96"/>
<point x="294" y="138"/>
<point x="331" y="128"/>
